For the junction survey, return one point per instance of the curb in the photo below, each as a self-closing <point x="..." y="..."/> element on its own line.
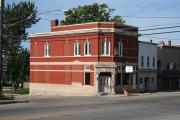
<point x="12" y="101"/>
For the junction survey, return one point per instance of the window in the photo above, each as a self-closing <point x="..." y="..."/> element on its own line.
<point x="174" y="66"/>
<point x="142" y="61"/>
<point x="46" y="50"/>
<point x="76" y="49"/>
<point x="120" y="49"/>
<point x="152" y="80"/>
<point x="106" y="48"/>
<point x="153" y="61"/>
<point x="87" y="48"/>
<point x="167" y="66"/>
<point x="141" y="80"/>
<point x="171" y="66"/>
<point x="147" y="61"/>
<point x="87" y="78"/>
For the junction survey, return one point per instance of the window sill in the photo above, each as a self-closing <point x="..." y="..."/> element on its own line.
<point x="105" y="55"/>
<point x="77" y="55"/>
<point x="87" y="55"/>
<point x="46" y="56"/>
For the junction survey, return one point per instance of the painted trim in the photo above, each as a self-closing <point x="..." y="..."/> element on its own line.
<point x="80" y="63"/>
<point x="77" y="45"/>
<point x="70" y="63"/>
<point x="79" y="31"/>
<point x="63" y="63"/>
<point x="89" y="48"/>
<point x="82" y="56"/>
<point x="41" y="70"/>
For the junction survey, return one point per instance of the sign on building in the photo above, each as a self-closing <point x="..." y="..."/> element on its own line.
<point x="129" y="69"/>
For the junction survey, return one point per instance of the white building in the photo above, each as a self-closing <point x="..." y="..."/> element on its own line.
<point x="147" y="65"/>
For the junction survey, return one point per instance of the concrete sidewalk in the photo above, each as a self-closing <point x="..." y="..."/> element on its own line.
<point x="31" y="98"/>
<point x="27" y="98"/>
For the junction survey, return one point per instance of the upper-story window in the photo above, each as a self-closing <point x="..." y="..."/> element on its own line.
<point x="154" y="62"/>
<point x="120" y="49"/>
<point x="171" y="66"/>
<point x="77" y="49"/>
<point x="87" y="48"/>
<point x="47" y="50"/>
<point x="106" y="48"/>
<point x="142" y="61"/>
<point x="147" y="61"/>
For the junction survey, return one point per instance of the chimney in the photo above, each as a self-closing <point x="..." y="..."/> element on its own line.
<point x="169" y="43"/>
<point x="162" y="43"/>
<point x="54" y="23"/>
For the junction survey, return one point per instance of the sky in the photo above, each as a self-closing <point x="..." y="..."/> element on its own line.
<point x="136" y="9"/>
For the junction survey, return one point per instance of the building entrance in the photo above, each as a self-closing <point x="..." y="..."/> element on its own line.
<point x="105" y="83"/>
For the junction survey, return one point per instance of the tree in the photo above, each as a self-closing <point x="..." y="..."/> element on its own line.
<point x="17" y="18"/>
<point x="18" y="66"/>
<point x="118" y="19"/>
<point x="90" y="13"/>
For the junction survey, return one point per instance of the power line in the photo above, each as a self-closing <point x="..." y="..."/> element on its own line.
<point x="158" y="17"/>
<point x="159" y="28"/>
<point x="159" y="25"/>
<point x="174" y="39"/>
<point x="44" y="18"/>
<point x="49" y="11"/>
<point x="160" y="33"/>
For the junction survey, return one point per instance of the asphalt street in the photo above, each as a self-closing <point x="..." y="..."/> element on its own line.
<point x="158" y="107"/>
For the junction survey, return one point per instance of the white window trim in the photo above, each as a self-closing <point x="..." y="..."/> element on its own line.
<point x="46" y="50"/>
<point x="88" y="49"/>
<point x="120" y="49"/>
<point x="105" y="46"/>
<point x="78" y="49"/>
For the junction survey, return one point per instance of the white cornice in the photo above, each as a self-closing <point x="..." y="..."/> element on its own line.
<point x="81" y="31"/>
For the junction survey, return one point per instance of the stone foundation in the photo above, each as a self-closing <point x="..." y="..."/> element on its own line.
<point x="43" y="89"/>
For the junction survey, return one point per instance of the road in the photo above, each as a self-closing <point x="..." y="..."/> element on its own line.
<point x="158" y="107"/>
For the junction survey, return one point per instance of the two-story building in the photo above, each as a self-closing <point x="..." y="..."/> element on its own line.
<point x="147" y="66"/>
<point x="83" y="59"/>
<point x="168" y="66"/>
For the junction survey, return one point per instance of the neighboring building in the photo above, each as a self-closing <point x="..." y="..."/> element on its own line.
<point x="83" y="59"/>
<point x="168" y="66"/>
<point x="147" y="70"/>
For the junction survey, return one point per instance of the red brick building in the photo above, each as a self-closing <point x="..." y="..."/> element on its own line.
<point x="83" y="59"/>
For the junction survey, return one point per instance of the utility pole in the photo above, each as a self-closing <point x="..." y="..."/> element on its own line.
<point x="1" y="41"/>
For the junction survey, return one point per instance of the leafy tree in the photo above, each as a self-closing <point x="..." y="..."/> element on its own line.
<point x="17" y="18"/>
<point x="18" y="66"/>
<point x="118" y="19"/>
<point x="90" y="13"/>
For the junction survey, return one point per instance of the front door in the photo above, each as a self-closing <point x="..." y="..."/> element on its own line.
<point x="146" y="83"/>
<point x="105" y="84"/>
